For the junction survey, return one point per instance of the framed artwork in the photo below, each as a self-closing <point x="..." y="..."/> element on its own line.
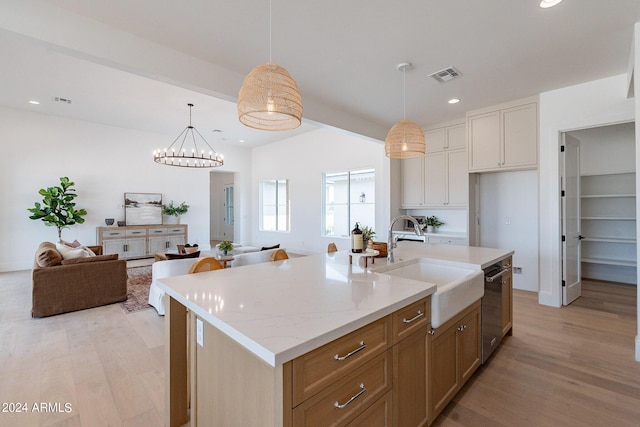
<point x="142" y="208"/>
<point x="422" y="222"/>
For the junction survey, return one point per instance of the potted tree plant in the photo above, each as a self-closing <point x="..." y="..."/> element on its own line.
<point x="175" y="211"/>
<point x="58" y="208"/>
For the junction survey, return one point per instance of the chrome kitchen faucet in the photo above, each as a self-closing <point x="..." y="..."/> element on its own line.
<point x="391" y="242"/>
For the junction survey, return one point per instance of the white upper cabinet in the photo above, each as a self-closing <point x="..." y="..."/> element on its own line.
<point x="439" y="179"/>
<point x="446" y="138"/>
<point x="503" y="137"/>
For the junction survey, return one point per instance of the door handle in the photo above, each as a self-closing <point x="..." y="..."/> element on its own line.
<point x="580" y="237"/>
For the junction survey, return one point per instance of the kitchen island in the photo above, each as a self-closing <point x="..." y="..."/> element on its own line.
<point x="249" y="353"/>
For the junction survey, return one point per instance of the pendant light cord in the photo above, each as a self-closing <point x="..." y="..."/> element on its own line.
<point x="270" y="1"/>
<point x="404" y="94"/>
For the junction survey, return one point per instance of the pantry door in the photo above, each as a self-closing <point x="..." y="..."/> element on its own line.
<point x="571" y="244"/>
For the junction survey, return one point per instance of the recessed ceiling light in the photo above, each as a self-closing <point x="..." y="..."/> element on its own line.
<point x="34" y="102"/>
<point x="549" y="3"/>
<point x="453" y="101"/>
<point x="241" y="140"/>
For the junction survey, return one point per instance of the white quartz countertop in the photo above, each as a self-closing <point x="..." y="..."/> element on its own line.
<point x="472" y="256"/>
<point x="282" y="310"/>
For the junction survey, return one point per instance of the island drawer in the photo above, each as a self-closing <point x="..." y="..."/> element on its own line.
<point x="341" y="402"/>
<point x="411" y="318"/>
<point x="319" y="368"/>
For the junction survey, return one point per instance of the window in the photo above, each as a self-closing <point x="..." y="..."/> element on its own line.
<point x="274" y="196"/>
<point x="349" y="197"/>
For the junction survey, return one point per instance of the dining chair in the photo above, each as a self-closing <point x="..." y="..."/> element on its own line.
<point x="279" y="255"/>
<point x="205" y="264"/>
<point x="332" y="248"/>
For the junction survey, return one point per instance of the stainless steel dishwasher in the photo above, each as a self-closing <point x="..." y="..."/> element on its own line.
<point x="492" y="309"/>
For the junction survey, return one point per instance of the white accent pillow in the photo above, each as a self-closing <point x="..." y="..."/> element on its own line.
<point x="70" y="253"/>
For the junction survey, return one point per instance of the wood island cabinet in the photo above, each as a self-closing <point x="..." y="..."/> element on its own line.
<point x="455" y="354"/>
<point x="507" y="298"/>
<point x="374" y="376"/>
<point x="337" y="383"/>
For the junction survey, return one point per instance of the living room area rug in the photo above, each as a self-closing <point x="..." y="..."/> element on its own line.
<point x="138" y="284"/>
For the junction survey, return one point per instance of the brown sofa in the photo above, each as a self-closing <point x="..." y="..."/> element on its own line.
<point x="61" y="286"/>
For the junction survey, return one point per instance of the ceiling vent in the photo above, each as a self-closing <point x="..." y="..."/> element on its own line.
<point x="445" y="75"/>
<point x="58" y="99"/>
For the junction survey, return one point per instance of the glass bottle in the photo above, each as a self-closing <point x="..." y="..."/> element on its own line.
<point x="356" y="240"/>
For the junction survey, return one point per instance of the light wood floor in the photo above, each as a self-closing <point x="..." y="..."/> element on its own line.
<point x="562" y="367"/>
<point x="572" y="366"/>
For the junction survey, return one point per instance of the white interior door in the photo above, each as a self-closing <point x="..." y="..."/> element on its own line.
<point x="227" y="223"/>
<point x="571" y="245"/>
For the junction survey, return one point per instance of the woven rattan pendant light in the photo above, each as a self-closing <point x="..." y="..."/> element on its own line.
<point x="405" y="139"/>
<point x="269" y="97"/>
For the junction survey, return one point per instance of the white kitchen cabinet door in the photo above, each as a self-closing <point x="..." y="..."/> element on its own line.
<point x="412" y="182"/>
<point x="435" y="140"/>
<point x="456" y="136"/>
<point x="484" y="141"/>
<point x="520" y="137"/>
<point x="435" y="179"/>
<point x="457" y="179"/>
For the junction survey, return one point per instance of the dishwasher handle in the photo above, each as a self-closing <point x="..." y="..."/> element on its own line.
<point x="497" y="275"/>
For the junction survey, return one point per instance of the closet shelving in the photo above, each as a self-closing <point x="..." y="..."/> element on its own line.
<point x="608" y="214"/>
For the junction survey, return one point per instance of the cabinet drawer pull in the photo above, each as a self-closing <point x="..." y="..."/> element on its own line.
<point x="414" y="318"/>
<point x="344" y="405"/>
<point x="351" y="353"/>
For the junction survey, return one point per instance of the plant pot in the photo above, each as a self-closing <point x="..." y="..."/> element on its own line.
<point x="173" y="219"/>
<point x="431" y="229"/>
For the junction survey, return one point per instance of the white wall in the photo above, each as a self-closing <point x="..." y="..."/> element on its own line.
<point x="595" y="103"/>
<point x="607" y="149"/>
<point x="302" y="160"/>
<point x="104" y="162"/>
<point x="509" y="220"/>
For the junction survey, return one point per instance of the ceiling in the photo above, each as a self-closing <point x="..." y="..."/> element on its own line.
<point x="342" y="54"/>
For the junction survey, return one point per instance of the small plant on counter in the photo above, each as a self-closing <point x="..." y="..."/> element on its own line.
<point x="433" y="221"/>
<point x="225" y="246"/>
<point x="367" y="233"/>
